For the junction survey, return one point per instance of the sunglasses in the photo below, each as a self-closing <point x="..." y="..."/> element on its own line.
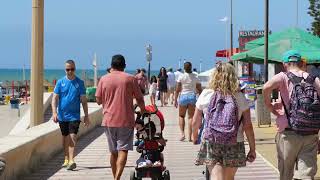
<point x="72" y="69"/>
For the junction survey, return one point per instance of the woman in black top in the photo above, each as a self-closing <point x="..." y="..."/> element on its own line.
<point x="162" y="85"/>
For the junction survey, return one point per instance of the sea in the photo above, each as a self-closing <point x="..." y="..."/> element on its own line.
<point x="53" y="74"/>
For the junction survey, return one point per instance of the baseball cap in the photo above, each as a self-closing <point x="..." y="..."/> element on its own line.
<point x="291" y="56"/>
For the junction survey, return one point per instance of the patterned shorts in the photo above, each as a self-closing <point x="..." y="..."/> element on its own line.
<point x="225" y="155"/>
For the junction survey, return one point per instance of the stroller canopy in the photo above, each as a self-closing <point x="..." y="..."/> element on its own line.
<point x="157" y="118"/>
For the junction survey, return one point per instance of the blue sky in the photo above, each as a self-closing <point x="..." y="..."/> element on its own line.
<point x="186" y="29"/>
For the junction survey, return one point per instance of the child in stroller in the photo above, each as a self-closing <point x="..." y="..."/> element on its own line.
<point x="150" y="143"/>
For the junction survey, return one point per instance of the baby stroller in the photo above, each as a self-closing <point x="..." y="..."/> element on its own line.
<point x="150" y="144"/>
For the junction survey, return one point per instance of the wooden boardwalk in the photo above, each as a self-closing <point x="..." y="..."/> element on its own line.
<point x="93" y="163"/>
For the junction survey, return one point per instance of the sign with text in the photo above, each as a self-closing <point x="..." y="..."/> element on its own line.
<point x="246" y="36"/>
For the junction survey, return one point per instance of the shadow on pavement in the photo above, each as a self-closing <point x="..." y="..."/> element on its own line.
<point x="100" y="167"/>
<point x="53" y="165"/>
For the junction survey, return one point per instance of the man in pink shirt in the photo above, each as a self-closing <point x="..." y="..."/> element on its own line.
<point x="142" y="81"/>
<point x="115" y="92"/>
<point x="297" y="153"/>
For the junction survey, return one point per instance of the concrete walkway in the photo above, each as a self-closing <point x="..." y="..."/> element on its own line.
<point x="9" y="118"/>
<point x="93" y="159"/>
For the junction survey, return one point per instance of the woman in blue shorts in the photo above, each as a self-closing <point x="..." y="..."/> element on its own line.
<point x="188" y="85"/>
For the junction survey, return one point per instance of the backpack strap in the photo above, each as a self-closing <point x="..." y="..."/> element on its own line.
<point x="310" y="79"/>
<point x="213" y="100"/>
<point x="293" y="78"/>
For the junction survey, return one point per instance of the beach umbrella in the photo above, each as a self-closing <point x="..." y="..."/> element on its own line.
<point x="291" y="33"/>
<point x="308" y="51"/>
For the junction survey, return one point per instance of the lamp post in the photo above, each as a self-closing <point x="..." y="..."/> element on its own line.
<point x="297" y="13"/>
<point x="231" y="30"/>
<point x="95" y="71"/>
<point x="266" y="38"/>
<point x="36" y="115"/>
<point x="149" y="58"/>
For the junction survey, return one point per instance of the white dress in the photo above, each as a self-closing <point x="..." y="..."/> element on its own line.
<point x="153" y="88"/>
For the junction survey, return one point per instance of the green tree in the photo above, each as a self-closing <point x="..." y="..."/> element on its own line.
<point x="314" y="12"/>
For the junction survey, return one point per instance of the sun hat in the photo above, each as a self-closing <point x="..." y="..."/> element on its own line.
<point x="291" y="56"/>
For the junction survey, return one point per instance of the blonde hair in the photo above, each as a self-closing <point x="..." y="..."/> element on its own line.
<point x="224" y="79"/>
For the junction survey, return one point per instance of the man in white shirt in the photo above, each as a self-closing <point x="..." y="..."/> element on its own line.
<point x="171" y="81"/>
<point x="177" y="74"/>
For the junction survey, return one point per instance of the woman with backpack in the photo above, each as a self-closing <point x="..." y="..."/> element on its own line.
<point x="227" y="116"/>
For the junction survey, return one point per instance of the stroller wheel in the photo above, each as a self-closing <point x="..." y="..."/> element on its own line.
<point x="166" y="175"/>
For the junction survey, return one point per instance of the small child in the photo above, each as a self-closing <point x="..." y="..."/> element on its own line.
<point x="153" y="89"/>
<point x="139" y="125"/>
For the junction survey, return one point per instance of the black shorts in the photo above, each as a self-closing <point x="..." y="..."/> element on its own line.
<point x="69" y="127"/>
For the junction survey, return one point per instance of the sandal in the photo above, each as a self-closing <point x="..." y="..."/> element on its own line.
<point x="182" y="138"/>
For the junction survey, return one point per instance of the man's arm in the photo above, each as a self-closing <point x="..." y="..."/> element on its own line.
<point x="99" y="93"/>
<point x="317" y="85"/>
<point x="54" y="102"/>
<point x="99" y="100"/>
<point x="84" y="103"/>
<point x="267" y="90"/>
<point x="138" y="96"/>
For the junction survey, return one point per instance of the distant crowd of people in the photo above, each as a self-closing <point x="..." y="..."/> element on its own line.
<point x="161" y="87"/>
<point x="218" y="116"/>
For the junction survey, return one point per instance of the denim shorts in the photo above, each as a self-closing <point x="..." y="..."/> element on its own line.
<point x="187" y="99"/>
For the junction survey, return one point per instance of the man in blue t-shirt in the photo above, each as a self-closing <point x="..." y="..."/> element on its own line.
<point x="68" y="94"/>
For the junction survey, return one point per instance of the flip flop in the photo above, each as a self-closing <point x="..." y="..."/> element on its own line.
<point x="182" y="138"/>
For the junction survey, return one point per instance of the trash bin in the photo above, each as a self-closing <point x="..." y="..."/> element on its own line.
<point x="90" y="93"/>
<point x="14" y="103"/>
<point x="263" y="116"/>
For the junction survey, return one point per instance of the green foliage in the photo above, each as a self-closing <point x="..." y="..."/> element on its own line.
<point x="314" y="12"/>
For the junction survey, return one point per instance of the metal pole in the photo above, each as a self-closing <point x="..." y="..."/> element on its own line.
<point x="23" y="73"/>
<point x="95" y="72"/>
<point x="266" y="38"/>
<point x="12" y="86"/>
<point x="149" y="58"/>
<point x="227" y="52"/>
<point x="149" y="71"/>
<point x="231" y="30"/>
<point x="297" y="13"/>
<point x="36" y="116"/>
<point x="26" y="91"/>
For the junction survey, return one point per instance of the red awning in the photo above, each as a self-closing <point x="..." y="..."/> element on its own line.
<point x="226" y="53"/>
